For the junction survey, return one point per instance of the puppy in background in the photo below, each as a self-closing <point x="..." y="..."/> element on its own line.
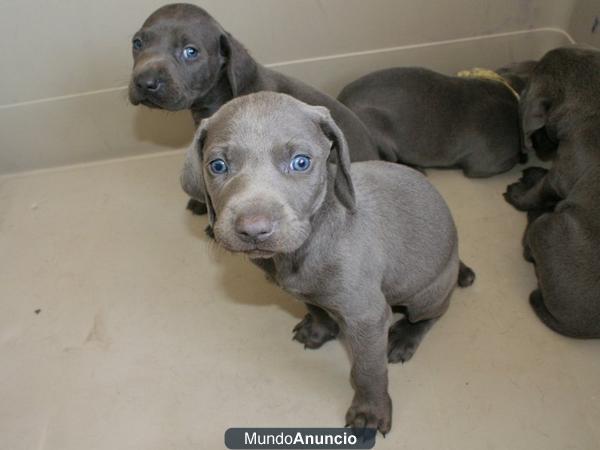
<point x="425" y="119"/>
<point x="184" y="59"/>
<point x="561" y="121"/>
<point x="351" y="241"/>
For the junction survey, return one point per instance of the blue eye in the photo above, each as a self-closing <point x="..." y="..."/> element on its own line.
<point x="190" y="53"/>
<point x="300" y="163"/>
<point x="218" y="167"/>
<point x="137" y="43"/>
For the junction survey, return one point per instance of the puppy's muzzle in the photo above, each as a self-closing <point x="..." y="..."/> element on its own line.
<point x="152" y="85"/>
<point x="254" y="228"/>
<point x="148" y="82"/>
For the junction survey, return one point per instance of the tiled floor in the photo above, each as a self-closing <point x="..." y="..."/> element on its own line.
<point x="122" y="327"/>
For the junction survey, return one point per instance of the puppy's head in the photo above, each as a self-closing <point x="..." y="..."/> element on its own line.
<point x="180" y="54"/>
<point x="561" y="96"/>
<point x="264" y="162"/>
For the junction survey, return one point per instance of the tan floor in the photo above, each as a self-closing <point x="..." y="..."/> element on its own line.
<point x="150" y="338"/>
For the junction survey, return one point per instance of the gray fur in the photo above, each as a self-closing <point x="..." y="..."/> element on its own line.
<point x="563" y="236"/>
<point x="350" y="240"/>
<point x="223" y="70"/>
<point x="517" y="74"/>
<point x="425" y="119"/>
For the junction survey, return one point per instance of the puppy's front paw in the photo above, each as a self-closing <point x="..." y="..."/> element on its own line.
<point x="515" y="193"/>
<point x="313" y="333"/>
<point x="533" y="175"/>
<point x="368" y="414"/>
<point x="196" y="207"/>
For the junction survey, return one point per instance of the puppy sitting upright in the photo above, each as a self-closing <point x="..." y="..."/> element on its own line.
<point x="561" y="119"/>
<point x="351" y="242"/>
<point x="426" y="119"/>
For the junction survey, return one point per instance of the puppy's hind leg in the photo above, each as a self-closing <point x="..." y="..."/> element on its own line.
<point x="532" y="216"/>
<point x="404" y="337"/>
<point x="536" y="300"/>
<point x="479" y="166"/>
<point x="316" y="328"/>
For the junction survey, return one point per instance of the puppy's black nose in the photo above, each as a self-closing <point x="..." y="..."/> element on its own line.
<point x="148" y="82"/>
<point x="253" y="227"/>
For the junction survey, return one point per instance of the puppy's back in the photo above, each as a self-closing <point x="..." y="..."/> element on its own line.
<point x="429" y="119"/>
<point x="412" y="223"/>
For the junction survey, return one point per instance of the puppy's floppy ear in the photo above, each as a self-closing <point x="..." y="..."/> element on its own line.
<point x="534" y="112"/>
<point x="517" y="74"/>
<point x="239" y="64"/>
<point x="340" y="155"/>
<point x="192" y="176"/>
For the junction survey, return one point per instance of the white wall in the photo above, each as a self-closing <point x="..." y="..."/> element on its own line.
<point x="65" y="62"/>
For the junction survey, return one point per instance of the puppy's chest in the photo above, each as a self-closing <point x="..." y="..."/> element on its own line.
<point x="305" y="280"/>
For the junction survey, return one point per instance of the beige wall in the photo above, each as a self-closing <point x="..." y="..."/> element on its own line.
<point x="80" y="49"/>
<point x="585" y="22"/>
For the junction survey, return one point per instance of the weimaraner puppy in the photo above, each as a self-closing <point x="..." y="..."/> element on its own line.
<point x="561" y="119"/>
<point x="426" y="119"/>
<point x="184" y="59"/>
<point x="352" y="241"/>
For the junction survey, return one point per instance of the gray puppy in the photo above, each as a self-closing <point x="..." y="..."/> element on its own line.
<point x="184" y="59"/>
<point x="561" y="119"/>
<point x="425" y="119"/>
<point x="351" y="245"/>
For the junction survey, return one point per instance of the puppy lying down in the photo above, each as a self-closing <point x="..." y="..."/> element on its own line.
<point x="352" y="241"/>
<point x="425" y="119"/>
<point x="561" y="120"/>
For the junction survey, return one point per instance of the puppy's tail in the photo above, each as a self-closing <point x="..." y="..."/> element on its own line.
<point x="466" y="276"/>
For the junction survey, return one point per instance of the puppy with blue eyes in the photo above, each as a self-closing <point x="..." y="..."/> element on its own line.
<point x="184" y="59"/>
<point x="351" y="241"/>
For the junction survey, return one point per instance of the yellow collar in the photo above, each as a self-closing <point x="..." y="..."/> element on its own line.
<point x="487" y="74"/>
